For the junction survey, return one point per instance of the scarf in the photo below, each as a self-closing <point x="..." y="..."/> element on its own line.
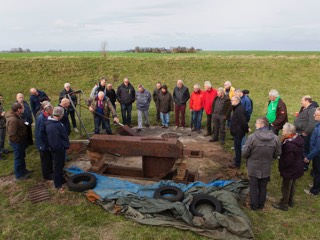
<point x="272" y="110"/>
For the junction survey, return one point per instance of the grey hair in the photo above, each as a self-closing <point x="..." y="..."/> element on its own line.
<point x="289" y="128"/>
<point x="207" y="83"/>
<point x="227" y="83"/>
<point x="47" y="107"/>
<point x="196" y="86"/>
<point x="67" y="85"/>
<point x="220" y="89"/>
<point x="274" y="93"/>
<point x="263" y="120"/>
<point x="58" y="111"/>
<point x="180" y="81"/>
<point x="236" y="97"/>
<point x="238" y="90"/>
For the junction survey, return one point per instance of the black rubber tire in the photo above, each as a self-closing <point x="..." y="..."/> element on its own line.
<point x="204" y="199"/>
<point x="75" y="182"/>
<point x="162" y="191"/>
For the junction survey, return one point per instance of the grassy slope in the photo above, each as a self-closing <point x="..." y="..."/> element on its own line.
<point x="70" y="216"/>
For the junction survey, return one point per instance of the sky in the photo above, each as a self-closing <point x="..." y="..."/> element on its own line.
<point x="84" y="25"/>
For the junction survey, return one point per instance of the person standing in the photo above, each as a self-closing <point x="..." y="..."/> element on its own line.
<point x="260" y="149"/>
<point x="17" y="134"/>
<point x="143" y="99"/>
<point x="180" y="96"/>
<point x="165" y="105"/>
<point x="100" y="108"/>
<point x="229" y="92"/>
<point x="2" y="130"/>
<point x="27" y="116"/>
<point x="196" y="105"/>
<point x="126" y="96"/>
<point x="65" y="104"/>
<point x="305" y="124"/>
<point x="100" y="86"/>
<point x="238" y="129"/>
<point x="314" y="155"/>
<point x="64" y="94"/>
<point x="245" y="102"/>
<point x="277" y="112"/>
<point x="155" y="94"/>
<point x="111" y="94"/>
<point x="42" y="142"/>
<point x="36" y="98"/>
<point x="58" y="142"/>
<point x="208" y="97"/>
<point x="290" y="165"/>
<point x="221" y="110"/>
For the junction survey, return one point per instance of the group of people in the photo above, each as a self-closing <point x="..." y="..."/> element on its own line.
<point x="224" y="107"/>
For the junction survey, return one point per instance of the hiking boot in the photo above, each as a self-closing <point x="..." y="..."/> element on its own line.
<point x="138" y="130"/>
<point x="207" y="134"/>
<point x="213" y="140"/>
<point x="279" y="206"/>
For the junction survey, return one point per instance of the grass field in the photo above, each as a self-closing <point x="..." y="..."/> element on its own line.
<point x="70" y="216"/>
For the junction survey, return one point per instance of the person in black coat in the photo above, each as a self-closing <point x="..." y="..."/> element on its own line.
<point x="111" y="94"/>
<point x="36" y="98"/>
<point x="126" y="96"/>
<point x="58" y="141"/>
<point x="64" y="94"/>
<point x="65" y="103"/>
<point x="290" y="165"/>
<point x="238" y="129"/>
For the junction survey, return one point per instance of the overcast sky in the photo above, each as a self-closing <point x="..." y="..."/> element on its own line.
<point x="79" y="25"/>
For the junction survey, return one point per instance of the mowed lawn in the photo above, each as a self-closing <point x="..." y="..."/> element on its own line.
<point x="71" y="216"/>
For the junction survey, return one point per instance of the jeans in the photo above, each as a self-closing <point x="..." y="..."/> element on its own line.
<point x="19" y="151"/>
<point x="258" y="192"/>
<point x="145" y="115"/>
<point x="100" y="120"/>
<point x="58" y="165"/>
<point x="2" y="138"/>
<point x="316" y="176"/>
<point x="177" y="110"/>
<point x="126" y="113"/>
<point x="237" y="148"/>
<point x="73" y="118"/>
<point x="196" y="118"/>
<point x="165" y="118"/>
<point x="219" y="127"/>
<point x="46" y="164"/>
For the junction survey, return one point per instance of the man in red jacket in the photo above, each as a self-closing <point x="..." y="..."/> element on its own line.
<point x="196" y="107"/>
<point x="208" y="96"/>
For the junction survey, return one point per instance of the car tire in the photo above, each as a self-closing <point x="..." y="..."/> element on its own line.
<point x="82" y="182"/>
<point x="176" y="194"/>
<point x="204" y="199"/>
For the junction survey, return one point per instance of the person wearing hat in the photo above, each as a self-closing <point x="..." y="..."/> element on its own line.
<point x="165" y="105"/>
<point x="143" y="99"/>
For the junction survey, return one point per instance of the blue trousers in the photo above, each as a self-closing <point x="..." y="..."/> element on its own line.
<point x="165" y="118"/>
<point x="197" y="118"/>
<point x="126" y="113"/>
<point x="100" y="120"/>
<point x="19" y="151"/>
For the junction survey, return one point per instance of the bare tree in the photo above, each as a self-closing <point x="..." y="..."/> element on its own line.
<point x="104" y="45"/>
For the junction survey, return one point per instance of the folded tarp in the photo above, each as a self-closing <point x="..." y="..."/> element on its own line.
<point x="136" y="202"/>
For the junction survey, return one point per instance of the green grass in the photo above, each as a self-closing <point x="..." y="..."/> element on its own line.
<point x="70" y="216"/>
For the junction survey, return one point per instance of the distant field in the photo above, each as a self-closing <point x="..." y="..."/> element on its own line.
<point x="293" y="74"/>
<point x="148" y="55"/>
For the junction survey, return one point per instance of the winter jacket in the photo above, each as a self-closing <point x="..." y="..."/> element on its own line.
<point x="208" y="98"/>
<point x="64" y="93"/>
<point x="27" y="114"/>
<point x="111" y="94"/>
<point x="196" y="101"/>
<point x="260" y="149"/>
<point x="230" y="94"/>
<point x="315" y="143"/>
<point x="291" y="159"/>
<point x="155" y="94"/>
<point x="65" y="120"/>
<point x="96" y="89"/>
<point x="107" y="106"/>
<point x="226" y="106"/>
<point x="58" y="139"/>
<point x="35" y="101"/>
<point x="246" y="103"/>
<point x="40" y="133"/>
<point x="143" y="100"/>
<point x="16" y="128"/>
<point x="165" y="102"/>
<point x="305" y="121"/>
<point x="126" y="94"/>
<point x="2" y="118"/>
<point x="239" y="126"/>
<point x="181" y="95"/>
<point x="281" y="115"/>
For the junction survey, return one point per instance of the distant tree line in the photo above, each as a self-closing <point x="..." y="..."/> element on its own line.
<point x="164" y="50"/>
<point x="19" y="50"/>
